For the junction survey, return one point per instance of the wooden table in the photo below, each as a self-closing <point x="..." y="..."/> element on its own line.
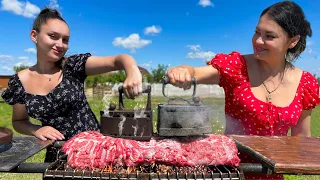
<point x="283" y="154"/>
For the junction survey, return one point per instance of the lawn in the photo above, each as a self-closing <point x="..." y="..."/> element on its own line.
<point x="97" y="105"/>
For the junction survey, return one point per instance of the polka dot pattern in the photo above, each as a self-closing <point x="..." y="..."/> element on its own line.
<point x="256" y="116"/>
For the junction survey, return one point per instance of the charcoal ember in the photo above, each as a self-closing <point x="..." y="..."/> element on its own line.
<point x="154" y="168"/>
<point x="93" y="150"/>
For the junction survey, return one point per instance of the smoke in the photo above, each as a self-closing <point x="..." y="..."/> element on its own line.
<point x="139" y="112"/>
<point x="141" y="101"/>
<point x="218" y="117"/>
<point x="234" y="126"/>
<point x="106" y="101"/>
<point x="120" y="125"/>
<point x="135" y="128"/>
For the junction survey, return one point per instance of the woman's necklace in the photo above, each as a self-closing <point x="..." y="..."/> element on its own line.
<point x="268" y="97"/>
<point x="49" y="78"/>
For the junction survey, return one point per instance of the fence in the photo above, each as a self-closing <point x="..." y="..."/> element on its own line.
<point x="156" y="90"/>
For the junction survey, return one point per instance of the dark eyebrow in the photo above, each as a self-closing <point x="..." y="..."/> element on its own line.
<point x="59" y="34"/>
<point x="268" y="32"/>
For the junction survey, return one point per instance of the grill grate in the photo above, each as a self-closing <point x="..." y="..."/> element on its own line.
<point x="60" y="170"/>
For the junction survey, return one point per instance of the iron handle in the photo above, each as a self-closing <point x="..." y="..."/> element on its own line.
<point x="147" y="90"/>
<point x="166" y="80"/>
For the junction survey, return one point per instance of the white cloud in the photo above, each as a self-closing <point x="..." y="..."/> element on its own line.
<point x="201" y="55"/>
<point x="131" y="42"/>
<point x="5" y="57"/>
<point x="30" y="10"/>
<point x="54" y="4"/>
<point x="6" y="68"/>
<point x="18" y="64"/>
<point x="152" y="30"/>
<point x="309" y="48"/>
<point x="146" y="65"/>
<point x="31" y="50"/>
<point x="12" y="5"/>
<point x="24" y="58"/>
<point x="25" y="9"/>
<point x="205" y="3"/>
<point x="194" y="47"/>
<point x="309" y="43"/>
<point x="196" y="53"/>
<point x="8" y="62"/>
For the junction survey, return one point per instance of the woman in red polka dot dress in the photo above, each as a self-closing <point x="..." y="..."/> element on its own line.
<point x="265" y="94"/>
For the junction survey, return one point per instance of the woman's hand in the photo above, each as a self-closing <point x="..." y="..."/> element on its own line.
<point x="132" y="86"/>
<point x="48" y="132"/>
<point x="180" y="76"/>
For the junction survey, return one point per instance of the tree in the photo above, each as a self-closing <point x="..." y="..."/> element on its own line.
<point x="19" y="68"/>
<point x="93" y="81"/>
<point x="118" y="77"/>
<point x="148" y="78"/>
<point x="159" y="73"/>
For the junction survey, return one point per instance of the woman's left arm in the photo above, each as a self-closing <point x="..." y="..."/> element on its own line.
<point x="303" y="126"/>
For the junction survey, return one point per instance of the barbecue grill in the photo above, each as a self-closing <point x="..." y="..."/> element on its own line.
<point x="60" y="169"/>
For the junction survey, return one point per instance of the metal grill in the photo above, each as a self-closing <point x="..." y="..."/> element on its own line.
<point x="60" y="170"/>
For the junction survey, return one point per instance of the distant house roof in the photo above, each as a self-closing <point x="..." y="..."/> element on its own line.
<point x="143" y="70"/>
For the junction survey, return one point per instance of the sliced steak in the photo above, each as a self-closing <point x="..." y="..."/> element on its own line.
<point x="93" y="150"/>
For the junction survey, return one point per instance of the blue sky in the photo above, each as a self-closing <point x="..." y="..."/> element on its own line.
<point x="170" y="32"/>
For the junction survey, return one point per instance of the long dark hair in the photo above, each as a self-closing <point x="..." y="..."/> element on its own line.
<point x="291" y="18"/>
<point x="43" y="17"/>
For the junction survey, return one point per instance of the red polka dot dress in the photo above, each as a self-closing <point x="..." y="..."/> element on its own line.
<point x="258" y="117"/>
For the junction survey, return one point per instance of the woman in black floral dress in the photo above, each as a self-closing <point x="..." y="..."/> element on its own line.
<point x="52" y="91"/>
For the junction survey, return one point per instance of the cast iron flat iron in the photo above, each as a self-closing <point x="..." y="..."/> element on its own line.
<point x="190" y="118"/>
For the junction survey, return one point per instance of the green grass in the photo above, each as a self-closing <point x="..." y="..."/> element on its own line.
<point x="97" y="105"/>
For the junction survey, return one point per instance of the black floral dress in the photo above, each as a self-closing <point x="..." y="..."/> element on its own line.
<point x="65" y="107"/>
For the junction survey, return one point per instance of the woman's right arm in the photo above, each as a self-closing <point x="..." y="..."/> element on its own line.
<point x="21" y="123"/>
<point x="181" y="75"/>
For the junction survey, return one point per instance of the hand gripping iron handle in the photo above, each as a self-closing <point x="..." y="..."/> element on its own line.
<point x="166" y="80"/>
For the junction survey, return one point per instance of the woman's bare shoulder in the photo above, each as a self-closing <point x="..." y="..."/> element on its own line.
<point x="25" y="74"/>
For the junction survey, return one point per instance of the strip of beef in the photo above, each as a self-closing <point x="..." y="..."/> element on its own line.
<point x="93" y="150"/>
